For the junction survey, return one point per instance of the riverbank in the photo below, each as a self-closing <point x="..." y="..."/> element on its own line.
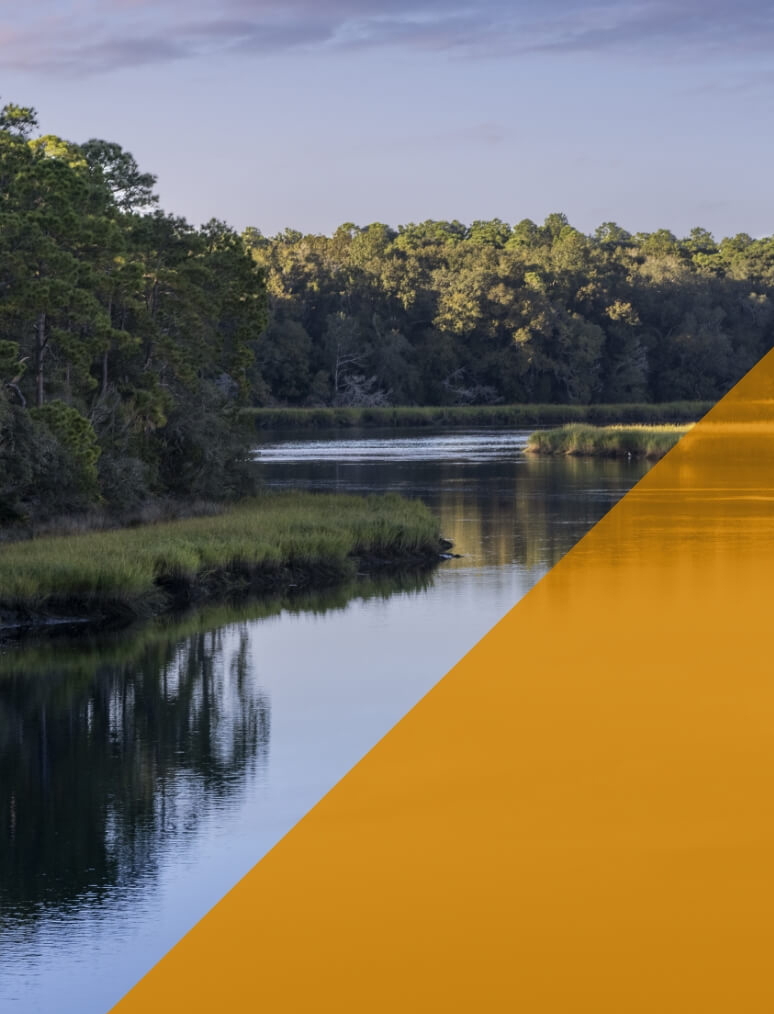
<point x="77" y="648"/>
<point x="267" y="544"/>
<point x="650" y="442"/>
<point x="476" y="415"/>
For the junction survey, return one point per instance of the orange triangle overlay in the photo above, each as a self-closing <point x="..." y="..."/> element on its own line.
<point x="578" y="817"/>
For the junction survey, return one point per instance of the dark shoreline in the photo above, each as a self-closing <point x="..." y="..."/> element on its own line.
<point x="223" y="585"/>
<point x="520" y="415"/>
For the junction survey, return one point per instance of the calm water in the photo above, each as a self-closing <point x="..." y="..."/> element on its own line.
<point x="141" y="775"/>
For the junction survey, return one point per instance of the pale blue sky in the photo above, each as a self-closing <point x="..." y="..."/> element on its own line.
<point x="310" y="113"/>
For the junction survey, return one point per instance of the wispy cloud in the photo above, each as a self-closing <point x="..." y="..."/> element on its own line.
<point x="686" y="26"/>
<point x="81" y="37"/>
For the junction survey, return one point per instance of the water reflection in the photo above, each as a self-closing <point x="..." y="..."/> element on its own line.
<point x="101" y="764"/>
<point x="499" y="505"/>
<point x="112" y="748"/>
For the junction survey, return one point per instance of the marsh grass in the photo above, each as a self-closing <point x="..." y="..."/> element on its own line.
<point x="262" y="544"/>
<point x="477" y="415"/>
<point x="651" y="442"/>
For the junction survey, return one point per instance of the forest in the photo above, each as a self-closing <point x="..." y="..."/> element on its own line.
<point x="441" y="313"/>
<point x="130" y="340"/>
<point x="126" y="335"/>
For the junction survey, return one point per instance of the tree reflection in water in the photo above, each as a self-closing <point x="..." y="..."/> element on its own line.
<point x="114" y="749"/>
<point x="105" y="762"/>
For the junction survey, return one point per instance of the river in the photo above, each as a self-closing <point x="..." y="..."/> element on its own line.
<point x="142" y="774"/>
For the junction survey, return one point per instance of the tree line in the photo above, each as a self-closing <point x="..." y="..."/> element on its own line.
<point x="441" y="313"/>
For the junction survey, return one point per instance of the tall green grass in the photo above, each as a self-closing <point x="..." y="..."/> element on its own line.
<point x="607" y="441"/>
<point x="265" y="543"/>
<point x="476" y="415"/>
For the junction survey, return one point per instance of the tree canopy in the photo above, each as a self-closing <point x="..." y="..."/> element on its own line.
<point x="444" y="313"/>
<point x="125" y="332"/>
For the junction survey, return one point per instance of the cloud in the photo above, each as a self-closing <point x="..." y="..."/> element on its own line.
<point x="683" y="27"/>
<point x="81" y="37"/>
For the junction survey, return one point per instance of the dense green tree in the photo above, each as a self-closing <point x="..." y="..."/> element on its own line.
<point x="116" y="171"/>
<point x="438" y="312"/>
<point x="126" y="335"/>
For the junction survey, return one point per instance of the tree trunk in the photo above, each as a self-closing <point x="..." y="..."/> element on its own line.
<point x="40" y="348"/>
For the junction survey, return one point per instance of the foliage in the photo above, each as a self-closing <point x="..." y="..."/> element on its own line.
<point x="76" y="435"/>
<point x="125" y="333"/>
<point x="444" y="314"/>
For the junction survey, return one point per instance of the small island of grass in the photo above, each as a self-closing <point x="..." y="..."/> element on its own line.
<point x="264" y="544"/>
<point x="650" y="442"/>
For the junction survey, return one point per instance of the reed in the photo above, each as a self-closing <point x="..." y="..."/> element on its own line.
<point x="651" y="442"/>
<point x="264" y="544"/>
<point x="475" y="415"/>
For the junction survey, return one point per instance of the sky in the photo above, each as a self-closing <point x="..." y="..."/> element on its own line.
<point x="310" y="113"/>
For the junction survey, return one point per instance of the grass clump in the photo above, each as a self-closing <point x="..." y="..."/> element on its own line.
<point x="262" y="544"/>
<point x="476" y="415"/>
<point x="651" y="442"/>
